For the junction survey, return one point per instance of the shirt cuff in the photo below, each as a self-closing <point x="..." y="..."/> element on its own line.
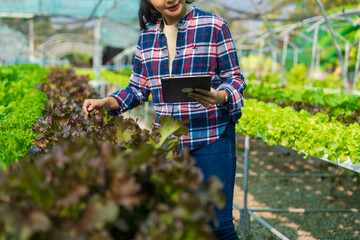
<point x="235" y="102"/>
<point x="114" y="112"/>
<point x="225" y="105"/>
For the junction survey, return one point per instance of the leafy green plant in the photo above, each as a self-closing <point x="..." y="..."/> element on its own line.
<point x="120" y="78"/>
<point x="21" y="105"/>
<point x="297" y="76"/>
<point x="358" y="84"/>
<point x="272" y="78"/>
<point x="86" y="72"/>
<point x="313" y="134"/>
<point x="331" y="81"/>
<point x="345" y="107"/>
<point x="251" y="77"/>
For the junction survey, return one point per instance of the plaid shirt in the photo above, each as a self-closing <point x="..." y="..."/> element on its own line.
<point x="204" y="47"/>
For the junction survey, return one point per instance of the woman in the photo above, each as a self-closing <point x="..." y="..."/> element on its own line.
<point x="175" y="41"/>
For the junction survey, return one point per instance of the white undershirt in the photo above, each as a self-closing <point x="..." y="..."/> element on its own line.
<point x="170" y="32"/>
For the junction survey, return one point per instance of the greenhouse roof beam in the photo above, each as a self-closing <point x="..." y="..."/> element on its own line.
<point x="74" y="47"/>
<point x="292" y="27"/>
<point x="334" y="16"/>
<point x="67" y="48"/>
<point x="324" y="28"/>
<point x="285" y="29"/>
<point x="303" y="36"/>
<point x="335" y="41"/>
<point x="63" y="38"/>
<point x="282" y="29"/>
<point x="248" y="47"/>
<point x="274" y="40"/>
<point x="357" y="67"/>
<point x="16" y="15"/>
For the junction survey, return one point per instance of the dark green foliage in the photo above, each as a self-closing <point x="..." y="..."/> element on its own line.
<point x="89" y="187"/>
<point x="103" y="178"/>
<point x="63" y="117"/>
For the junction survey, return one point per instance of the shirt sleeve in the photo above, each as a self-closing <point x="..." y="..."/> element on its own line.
<point x="138" y="89"/>
<point x="232" y="80"/>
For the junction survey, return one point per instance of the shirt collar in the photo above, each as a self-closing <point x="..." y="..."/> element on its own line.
<point x="183" y="22"/>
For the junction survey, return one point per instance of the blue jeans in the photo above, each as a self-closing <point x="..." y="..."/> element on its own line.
<point x="219" y="159"/>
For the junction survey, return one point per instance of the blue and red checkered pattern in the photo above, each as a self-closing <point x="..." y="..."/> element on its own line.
<point x="204" y="47"/>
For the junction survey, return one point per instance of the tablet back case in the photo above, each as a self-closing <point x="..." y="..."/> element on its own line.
<point x="176" y="89"/>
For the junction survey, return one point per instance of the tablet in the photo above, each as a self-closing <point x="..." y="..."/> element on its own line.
<point x="176" y="89"/>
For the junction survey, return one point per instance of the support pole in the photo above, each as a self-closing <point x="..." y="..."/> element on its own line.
<point x="357" y="67"/>
<point x="244" y="215"/>
<point x="261" y="58"/>
<point x="313" y="55"/>
<point x="289" y="175"/>
<point x="31" y="41"/>
<point x="317" y="65"/>
<point x="146" y="117"/>
<point x="240" y="53"/>
<point x="306" y="210"/>
<point x="268" y="226"/>
<point x="267" y="64"/>
<point x="273" y="56"/>
<point x="273" y="41"/>
<point x="336" y="43"/>
<point x="346" y="64"/>
<point x="97" y="53"/>
<point x="285" y="47"/>
<point x="296" y="54"/>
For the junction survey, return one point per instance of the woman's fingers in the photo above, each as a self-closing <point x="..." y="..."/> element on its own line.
<point x="91" y="107"/>
<point x="211" y="93"/>
<point x="203" y="100"/>
<point x="85" y="106"/>
<point x="204" y="95"/>
<point x="206" y="98"/>
<point x="91" y="104"/>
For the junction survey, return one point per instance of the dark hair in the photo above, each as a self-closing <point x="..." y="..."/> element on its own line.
<point x="148" y="14"/>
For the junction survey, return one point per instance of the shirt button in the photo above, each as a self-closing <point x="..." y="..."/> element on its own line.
<point x="177" y="52"/>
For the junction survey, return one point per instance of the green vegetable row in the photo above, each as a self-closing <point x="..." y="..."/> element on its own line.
<point x="339" y="103"/>
<point x="298" y="77"/>
<point x="121" y="78"/>
<point x="313" y="134"/>
<point x="21" y="105"/>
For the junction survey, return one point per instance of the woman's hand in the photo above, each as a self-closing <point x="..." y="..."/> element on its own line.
<point x="93" y="104"/>
<point x="209" y="98"/>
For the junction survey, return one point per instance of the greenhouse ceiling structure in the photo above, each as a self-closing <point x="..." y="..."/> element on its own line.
<point x="116" y="10"/>
<point x="116" y="24"/>
<point x="13" y="43"/>
<point x="301" y="39"/>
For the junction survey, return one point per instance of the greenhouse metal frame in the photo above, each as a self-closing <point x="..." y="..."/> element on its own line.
<point x="246" y="212"/>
